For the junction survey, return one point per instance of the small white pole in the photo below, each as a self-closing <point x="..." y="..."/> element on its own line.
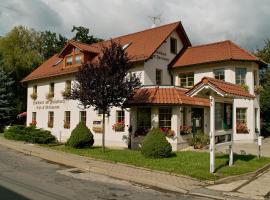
<point x="212" y="134"/>
<point x="259" y="146"/>
<point x="231" y="155"/>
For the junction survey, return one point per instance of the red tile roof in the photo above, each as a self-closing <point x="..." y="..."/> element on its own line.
<point x="164" y="96"/>
<point x="223" y="87"/>
<point x="142" y="46"/>
<point x="214" y="52"/>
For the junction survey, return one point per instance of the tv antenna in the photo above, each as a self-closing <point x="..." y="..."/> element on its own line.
<point x="156" y="19"/>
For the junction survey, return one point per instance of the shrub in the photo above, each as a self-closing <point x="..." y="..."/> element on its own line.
<point x="81" y="137"/>
<point x="29" y="134"/>
<point x="155" y="145"/>
<point x="199" y="141"/>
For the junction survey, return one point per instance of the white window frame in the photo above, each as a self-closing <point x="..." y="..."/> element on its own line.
<point x="186" y="78"/>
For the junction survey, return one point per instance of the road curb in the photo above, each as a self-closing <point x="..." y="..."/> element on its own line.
<point x="87" y="167"/>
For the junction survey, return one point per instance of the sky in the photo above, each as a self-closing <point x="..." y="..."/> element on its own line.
<point x="246" y="22"/>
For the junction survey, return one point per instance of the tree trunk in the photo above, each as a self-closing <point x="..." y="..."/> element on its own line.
<point x="103" y="131"/>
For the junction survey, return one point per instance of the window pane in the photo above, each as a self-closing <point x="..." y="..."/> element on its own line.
<point x="165" y="115"/>
<point x="240" y="75"/>
<point x="158" y="76"/>
<point x="143" y="118"/>
<point x="78" y="59"/>
<point x="219" y="113"/>
<point x="186" y="80"/>
<point x="83" y="116"/>
<point x="69" y="60"/>
<point x="173" y="44"/>
<point x="219" y="74"/>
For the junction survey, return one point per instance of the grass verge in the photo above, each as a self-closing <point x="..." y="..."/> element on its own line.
<point x="194" y="164"/>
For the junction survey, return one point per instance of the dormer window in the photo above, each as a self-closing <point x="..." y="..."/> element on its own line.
<point x="69" y="60"/>
<point x="78" y="59"/>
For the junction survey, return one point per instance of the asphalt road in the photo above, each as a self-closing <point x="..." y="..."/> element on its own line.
<point x="25" y="177"/>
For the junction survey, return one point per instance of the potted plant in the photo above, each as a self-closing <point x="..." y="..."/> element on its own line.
<point x="33" y="96"/>
<point x="49" y="96"/>
<point x="245" y="87"/>
<point x="119" y="126"/>
<point x="258" y="89"/>
<point x="33" y="123"/>
<point x="185" y="130"/>
<point x="168" y="132"/>
<point x="241" y="127"/>
<point x="66" y="93"/>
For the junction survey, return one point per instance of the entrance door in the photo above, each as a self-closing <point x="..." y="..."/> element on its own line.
<point x="197" y="117"/>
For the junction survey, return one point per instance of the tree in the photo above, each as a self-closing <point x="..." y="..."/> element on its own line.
<point x="19" y="53"/>
<point x="82" y="35"/>
<point x="7" y="104"/>
<point x="105" y="84"/>
<point x="264" y="54"/>
<point x="51" y="43"/>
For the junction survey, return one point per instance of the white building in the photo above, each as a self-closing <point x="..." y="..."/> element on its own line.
<point x="169" y="67"/>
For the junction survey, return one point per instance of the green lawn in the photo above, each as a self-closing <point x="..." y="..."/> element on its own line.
<point x="194" y="164"/>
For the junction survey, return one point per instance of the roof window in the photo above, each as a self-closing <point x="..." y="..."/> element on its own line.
<point x="126" y="46"/>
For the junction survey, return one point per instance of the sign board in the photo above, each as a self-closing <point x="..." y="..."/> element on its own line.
<point x="97" y="126"/>
<point x="223" y="138"/>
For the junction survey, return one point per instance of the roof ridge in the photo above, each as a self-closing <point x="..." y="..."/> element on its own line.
<point x="208" y="44"/>
<point x="145" y="30"/>
<point x="221" y="81"/>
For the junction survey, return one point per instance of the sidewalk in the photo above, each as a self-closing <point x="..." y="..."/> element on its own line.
<point x="143" y="176"/>
<point x="249" y="148"/>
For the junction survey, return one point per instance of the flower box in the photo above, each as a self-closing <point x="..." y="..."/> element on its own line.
<point x="185" y="130"/>
<point x="168" y="132"/>
<point x="119" y="126"/>
<point x="33" y="123"/>
<point x="241" y="127"/>
<point x="33" y="96"/>
<point x="258" y="89"/>
<point x="66" y="93"/>
<point x="49" y="96"/>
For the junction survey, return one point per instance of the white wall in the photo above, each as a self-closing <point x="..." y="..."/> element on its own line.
<point x="161" y="61"/>
<point x="112" y="138"/>
<point x="206" y="70"/>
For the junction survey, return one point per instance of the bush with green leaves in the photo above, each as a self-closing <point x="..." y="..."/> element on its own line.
<point x="155" y="145"/>
<point x="29" y="134"/>
<point x="80" y="137"/>
<point x="199" y="141"/>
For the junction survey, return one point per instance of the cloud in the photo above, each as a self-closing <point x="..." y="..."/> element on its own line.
<point x="242" y="21"/>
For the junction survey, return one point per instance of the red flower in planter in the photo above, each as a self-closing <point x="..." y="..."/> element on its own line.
<point x="168" y="132"/>
<point x="119" y="126"/>
<point x="33" y="123"/>
<point x="241" y="127"/>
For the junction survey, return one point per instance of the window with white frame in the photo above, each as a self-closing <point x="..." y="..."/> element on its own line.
<point x="241" y="115"/>
<point x="219" y="74"/>
<point x="69" y="60"/>
<point x="67" y="120"/>
<point x="158" y="76"/>
<point x="173" y="45"/>
<point x="51" y="89"/>
<point x="83" y="116"/>
<point x="165" y="117"/>
<point x="78" y="59"/>
<point x="35" y="89"/>
<point x="240" y="75"/>
<point x="186" y="80"/>
<point x="120" y="121"/>
<point x="50" y="119"/>
<point x="144" y="118"/>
